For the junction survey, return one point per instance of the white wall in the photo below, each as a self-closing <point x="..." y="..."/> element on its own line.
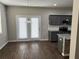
<point x="43" y="12"/>
<point x="3" y="36"/>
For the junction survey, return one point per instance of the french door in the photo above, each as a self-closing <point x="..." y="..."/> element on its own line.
<point x="28" y="27"/>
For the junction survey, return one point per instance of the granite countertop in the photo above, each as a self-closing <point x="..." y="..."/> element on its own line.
<point x="56" y="27"/>
<point x="53" y="28"/>
<point x="66" y="36"/>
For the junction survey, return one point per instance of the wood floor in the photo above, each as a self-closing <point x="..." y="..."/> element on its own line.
<point x="30" y="50"/>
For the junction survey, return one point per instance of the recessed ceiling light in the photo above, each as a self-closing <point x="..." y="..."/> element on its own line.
<point x="55" y="4"/>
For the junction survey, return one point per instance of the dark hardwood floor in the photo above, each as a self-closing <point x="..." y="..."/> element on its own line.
<point x="30" y="50"/>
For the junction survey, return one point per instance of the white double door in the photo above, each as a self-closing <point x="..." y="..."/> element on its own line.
<point x="28" y="27"/>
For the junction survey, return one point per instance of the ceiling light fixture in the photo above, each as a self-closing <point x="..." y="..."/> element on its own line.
<point x="55" y="4"/>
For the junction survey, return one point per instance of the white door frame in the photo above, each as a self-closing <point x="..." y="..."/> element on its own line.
<point x="28" y="16"/>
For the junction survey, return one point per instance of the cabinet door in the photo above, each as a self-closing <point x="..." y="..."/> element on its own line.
<point x="67" y="47"/>
<point x="60" y="44"/>
<point x="54" y="36"/>
<point x="49" y="35"/>
<point x="70" y="19"/>
<point x="54" y="20"/>
<point x="58" y="19"/>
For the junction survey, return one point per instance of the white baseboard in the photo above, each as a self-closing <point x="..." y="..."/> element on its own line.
<point x="3" y="46"/>
<point x="27" y="40"/>
<point x="21" y="41"/>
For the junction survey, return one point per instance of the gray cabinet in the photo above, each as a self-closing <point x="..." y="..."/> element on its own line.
<point x="58" y="19"/>
<point x="53" y="35"/>
<point x="64" y="44"/>
<point x="60" y="44"/>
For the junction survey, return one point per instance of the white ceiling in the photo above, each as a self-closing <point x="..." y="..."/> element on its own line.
<point x="39" y="3"/>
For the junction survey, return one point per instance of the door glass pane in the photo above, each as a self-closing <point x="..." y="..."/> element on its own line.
<point x="22" y="27"/>
<point x="34" y="27"/>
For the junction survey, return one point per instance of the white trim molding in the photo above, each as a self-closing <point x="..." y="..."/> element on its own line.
<point x="3" y="45"/>
<point x="20" y="41"/>
<point x="27" y="40"/>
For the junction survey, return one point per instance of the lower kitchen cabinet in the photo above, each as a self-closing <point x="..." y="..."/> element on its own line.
<point x="64" y="44"/>
<point x="53" y="36"/>
<point x="60" y="44"/>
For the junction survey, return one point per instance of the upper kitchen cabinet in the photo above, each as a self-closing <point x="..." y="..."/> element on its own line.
<point x="59" y="19"/>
